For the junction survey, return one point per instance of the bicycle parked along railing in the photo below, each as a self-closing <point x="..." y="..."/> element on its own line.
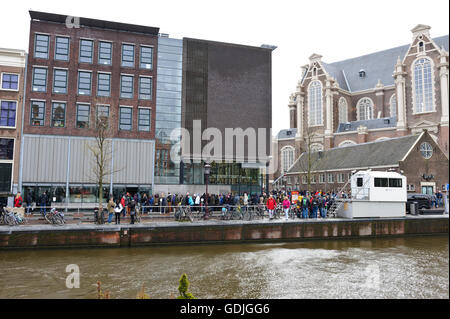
<point x="10" y="217"/>
<point x="54" y="217"/>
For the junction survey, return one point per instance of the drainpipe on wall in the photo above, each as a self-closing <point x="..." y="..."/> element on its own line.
<point x="67" y="176"/>
<point x="112" y="169"/>
<point x="21" y="129"/>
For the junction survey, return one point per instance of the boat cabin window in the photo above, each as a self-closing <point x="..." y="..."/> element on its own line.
<point x="381" y="182"/>
<point x="388" y="182"/>
<point x="395" y="182"/>
<point x="359" y="182"/>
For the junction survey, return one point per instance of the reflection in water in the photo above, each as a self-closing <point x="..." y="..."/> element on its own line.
<point x="411" y="267"/>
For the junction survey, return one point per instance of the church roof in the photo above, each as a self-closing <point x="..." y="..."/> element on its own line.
<point x="379" y="153"/>
<point x="289" y="133"/>
<point x="370" y="124"/>
<point x="377" y="66"/>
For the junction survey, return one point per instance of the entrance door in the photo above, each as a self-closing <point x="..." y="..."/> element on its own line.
<point x="427" y="190"/>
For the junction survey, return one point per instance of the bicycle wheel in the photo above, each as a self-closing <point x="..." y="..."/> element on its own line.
<point x="58" y="220"/>
<point x="48" y="218"/>
<point x="190" y="217"/>
<point x="10" y="220"/>
<point x="247" y="216"/>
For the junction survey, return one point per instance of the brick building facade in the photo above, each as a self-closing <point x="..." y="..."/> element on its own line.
<point x="387" y="94"/>
<point x="418" y="157"/>
<point x="12" y="73"/>
<point x="79" y="71"/>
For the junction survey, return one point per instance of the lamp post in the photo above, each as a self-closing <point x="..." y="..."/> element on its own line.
<point x="284" y="181"/>
<point x="207" y="172"/>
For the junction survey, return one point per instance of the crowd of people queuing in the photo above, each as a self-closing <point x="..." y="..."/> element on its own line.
<point x="305" y="204"/>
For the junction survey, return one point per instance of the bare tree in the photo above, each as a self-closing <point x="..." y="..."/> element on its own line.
<point x="310" y="163"/>
<point x="101" y="155"/>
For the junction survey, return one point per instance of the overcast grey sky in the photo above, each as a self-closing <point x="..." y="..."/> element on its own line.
<point x="337" y="30"/>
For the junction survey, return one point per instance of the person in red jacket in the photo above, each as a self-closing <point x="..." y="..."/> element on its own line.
<point x="18" y="200"/>
<point x="271" y="204"/>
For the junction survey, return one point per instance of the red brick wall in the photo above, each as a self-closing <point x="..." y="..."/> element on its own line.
<point x="117" y="37"/>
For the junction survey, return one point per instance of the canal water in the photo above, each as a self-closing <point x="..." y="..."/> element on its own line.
<point x="410" y="267"/>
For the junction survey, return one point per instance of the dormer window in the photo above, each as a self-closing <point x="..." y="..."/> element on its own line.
<point x="288" y="133"/>
<point x="387" y="121"/>
<point x="362" y="73"/>
<point x="314" y="71"/>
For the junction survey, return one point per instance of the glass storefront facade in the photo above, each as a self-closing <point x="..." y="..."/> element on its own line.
<point x="82" y="194"/>
<point x="168" y="107"/>
<point x="241" y="179"/>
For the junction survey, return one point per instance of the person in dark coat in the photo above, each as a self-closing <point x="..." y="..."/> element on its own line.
<point x="43" y="203"/>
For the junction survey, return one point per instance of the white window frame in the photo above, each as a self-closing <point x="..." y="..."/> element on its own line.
<point x="18" y="81"/>
<point x="15" y="120"/>
<point x="358" y="109"/>
<point x="315" y="104"/>
<point x="433" y="95"/>
<point x="316" y="147"/>
<point x="288" y="161"/>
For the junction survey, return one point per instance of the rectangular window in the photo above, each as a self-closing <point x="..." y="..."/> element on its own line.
<point x="395" y="182"/>
<point x="146" y="58"/>
<point x="60" y="81"/>
<point x="83" y="115"/>
<point x="144" y="120"/>
<point x="39" y="80"/>
<point x="128" y="55"/>
<point x="58" y="114"/>
<point x="105" y="53"/>
<point x="6" y="149"/>
<point x="41" y="46"/>
<point x="102" y="111"/>
<point x="313" y="179"/>
<point x="359" y="182"/>
<point x="86" y="50"/>
<point x="104" y="84"/>
<point x="304" y="180"/>
<point x="381" y="182"/>
<point x="126" y="86"/>
<point x="37" y="113"/>
<point x="84" y="83"/>
<point x="125" y="122"/>
<point x="10" y="81"/>
<point x="322" y="178"/>
<point x="8" y="113"/>
<point x="145" y="88"/>
<point x="5" y="177"/>
<point x="62" y="48"/>
<point x="330" y="178"/>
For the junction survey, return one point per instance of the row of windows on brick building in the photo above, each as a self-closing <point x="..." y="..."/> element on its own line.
<point x="84" y="86"/>
<point x="86" y="52"/>
<point x="83" y="111"/>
